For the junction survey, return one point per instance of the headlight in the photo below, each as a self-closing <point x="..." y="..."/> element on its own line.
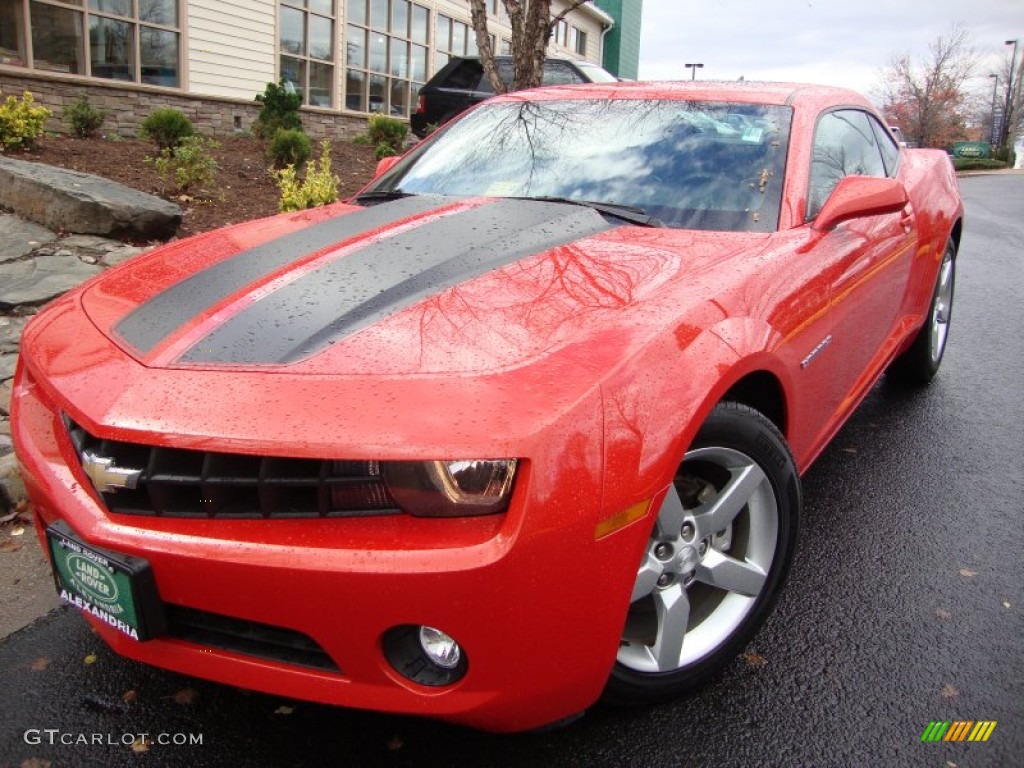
<point x="450" y="488"/>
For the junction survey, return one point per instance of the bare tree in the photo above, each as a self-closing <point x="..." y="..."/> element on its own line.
<point x="928" y="99"/>
<point x="1011" y="78"/>
<point x="532" y="27"/>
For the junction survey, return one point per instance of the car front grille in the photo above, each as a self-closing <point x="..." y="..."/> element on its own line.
<point x="247" y="637"/>
<point x="175" y="482"/>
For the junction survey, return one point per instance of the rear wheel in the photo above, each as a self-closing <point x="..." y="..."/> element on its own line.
<point x="715" y="561"/>
<point x="920" y="362"/>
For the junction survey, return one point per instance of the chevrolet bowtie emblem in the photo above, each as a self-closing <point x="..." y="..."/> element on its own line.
<point x="106" y="476"/>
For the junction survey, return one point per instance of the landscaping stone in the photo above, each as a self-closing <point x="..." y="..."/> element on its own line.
<point x="10" y="336"/>
<point x="7" y="364"/>
<point x="83" y="203"/>
<point x="19" y="237"/>
<point x="40" y="279"/>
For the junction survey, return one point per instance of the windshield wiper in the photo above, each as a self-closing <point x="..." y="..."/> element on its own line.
<point x="383" y="195"/>
<point x="629" y="213"/>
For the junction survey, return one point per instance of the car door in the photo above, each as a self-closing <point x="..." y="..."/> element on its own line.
<point x="867" y="260"/>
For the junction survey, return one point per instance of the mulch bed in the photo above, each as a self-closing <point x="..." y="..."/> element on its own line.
<point x="244" y="189"/>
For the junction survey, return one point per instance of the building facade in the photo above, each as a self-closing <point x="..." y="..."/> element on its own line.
<point x="347" y="58"/>
<point x="621" y="54"/>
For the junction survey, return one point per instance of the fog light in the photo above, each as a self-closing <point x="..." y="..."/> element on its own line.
<point x="440" y="648"/>
<point x="425" y="655"/>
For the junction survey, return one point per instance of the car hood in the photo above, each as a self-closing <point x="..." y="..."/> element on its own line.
<point x="417" y="285"/>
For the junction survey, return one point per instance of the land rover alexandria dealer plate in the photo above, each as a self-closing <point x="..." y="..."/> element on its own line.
<point x="117" y="589"/>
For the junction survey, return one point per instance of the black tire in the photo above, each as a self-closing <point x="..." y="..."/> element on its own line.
<point x="919" y="363"/>
<point x="738" y="460"/>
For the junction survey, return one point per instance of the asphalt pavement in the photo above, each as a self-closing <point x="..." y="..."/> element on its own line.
<point x="904" y="606"/>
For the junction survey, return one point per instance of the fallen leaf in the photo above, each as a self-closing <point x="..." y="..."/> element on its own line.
<point x="19" y="531"/>
<point x="283" y="710"/>
<point x="1006" y="603"/>
<point x="10" y="546"/>
<point x="92" y="658"/>
<point x="129" y="696"/>
<point x="949" y="691"/>
<point x="186" y="696"/>
<point x="968" y="572"/>
<point x="754" y="659"/>
<point x="140" y="745"/>
<point x="943" y="614"/>
<point x="395" y="744"/>
<point x="40" y="664"/>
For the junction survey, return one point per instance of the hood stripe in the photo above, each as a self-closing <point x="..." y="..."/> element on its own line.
<point x="149" y="324"/>
<point x="348" y="294"/>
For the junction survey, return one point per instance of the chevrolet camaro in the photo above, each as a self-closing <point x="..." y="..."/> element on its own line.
<point x="518" y="427"/>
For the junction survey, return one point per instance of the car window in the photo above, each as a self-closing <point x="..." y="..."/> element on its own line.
<point x="844" y="145"/>
<point x="692" y="164"/>
<point x="466" y="76"/>
<point x="560" y="73"/>
<point x="887" y="144"/>
<point x="594" y="73"/>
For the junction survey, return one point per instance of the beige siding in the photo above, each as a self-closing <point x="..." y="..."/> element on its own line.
<point x="231" y="46"/>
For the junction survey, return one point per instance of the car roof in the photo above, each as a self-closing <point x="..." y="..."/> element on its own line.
<point x="793" y="94"/>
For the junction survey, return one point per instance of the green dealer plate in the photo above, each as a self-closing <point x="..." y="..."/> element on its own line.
<point x="117" y="589"/>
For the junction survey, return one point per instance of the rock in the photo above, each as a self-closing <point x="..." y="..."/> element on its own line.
<point x="6" y="390"/>
<point x="123" y="253"/>
<point x="83" y="203"/>
<point x="7" y="363"/>
<point x="10" y="335"/>
<point x="19" y="237"/>
<point x="89" y="243"/>
<point x="11" y="483"/>
<point x="41" y="279"/>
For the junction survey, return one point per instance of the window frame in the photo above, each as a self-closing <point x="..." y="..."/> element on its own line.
<point x="306" y="59"/>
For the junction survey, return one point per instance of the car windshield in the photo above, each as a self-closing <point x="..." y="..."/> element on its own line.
<point x="693" y="165"/>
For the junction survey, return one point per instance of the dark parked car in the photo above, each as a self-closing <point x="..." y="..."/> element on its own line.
<point x="461" y="83"/>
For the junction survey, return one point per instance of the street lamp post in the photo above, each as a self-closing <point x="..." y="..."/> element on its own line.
<point x="1005" y="133"/>
<point x="693" y="69"/>
<point x="993" y="135"/>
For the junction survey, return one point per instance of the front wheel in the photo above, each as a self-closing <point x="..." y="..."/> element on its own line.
<point x="716" y="559"/>
<point x="920" y="362"/>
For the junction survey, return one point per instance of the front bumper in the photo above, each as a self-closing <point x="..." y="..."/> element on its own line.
<point x="534" y="600"/>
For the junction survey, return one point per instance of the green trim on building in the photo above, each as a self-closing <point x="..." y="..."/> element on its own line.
<point x="622" y="43"/>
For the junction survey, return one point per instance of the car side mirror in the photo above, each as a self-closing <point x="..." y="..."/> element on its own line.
<point x="385" y="165"/>
<point x="857" y="196"/>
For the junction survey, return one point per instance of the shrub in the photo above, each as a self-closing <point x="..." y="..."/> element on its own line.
<point x="189" y="165"/>
<point x="289" y="146"/>
<point x="167" y="127"/>
<point x="389" y="131"/>
<point x="85" y="119"/>
<point x="383" y="150"/>
<point x="21" y="122"/>
<point x="977" y="164"/>
<point x="318" y="188"/>
<point x="280" y="110"/>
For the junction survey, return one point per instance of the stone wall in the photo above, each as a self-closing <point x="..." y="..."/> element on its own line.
<point x="130" y="106"/>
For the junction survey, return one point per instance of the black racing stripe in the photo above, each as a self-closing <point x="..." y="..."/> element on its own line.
<point x="359" y="289"/>
<point x="151" y="322"/>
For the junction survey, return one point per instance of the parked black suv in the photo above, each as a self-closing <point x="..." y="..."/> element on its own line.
<point x="461" y="83"/>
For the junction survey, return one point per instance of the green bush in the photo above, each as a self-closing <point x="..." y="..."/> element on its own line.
<point x="280" y="110"/>
<point x="85" y="119"/>
<point x="190" y="165"/>
<point x="289" y="146"/>
<point x="383" y="150"/>
<point x="977" y="164"/>
<point x="167" y="127"/>
<point x="389" y="131"/>
<point x="318" y="188"/>
<point x="21" y="122"/>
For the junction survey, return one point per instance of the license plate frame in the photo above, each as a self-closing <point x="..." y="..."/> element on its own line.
<point x="118" y="589"/>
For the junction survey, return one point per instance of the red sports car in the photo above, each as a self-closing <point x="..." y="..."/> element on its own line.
<point x="519" y="426"/>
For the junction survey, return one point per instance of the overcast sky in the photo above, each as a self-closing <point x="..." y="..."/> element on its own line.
<point x="833" y="42"/>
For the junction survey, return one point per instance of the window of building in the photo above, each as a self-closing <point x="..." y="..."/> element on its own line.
<point x="138" y="41"/>
<point x="385" y="55"/>
<point x="452" y="38"/>
<point x="578" y="41"/>
<point x="306" y="49"/>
